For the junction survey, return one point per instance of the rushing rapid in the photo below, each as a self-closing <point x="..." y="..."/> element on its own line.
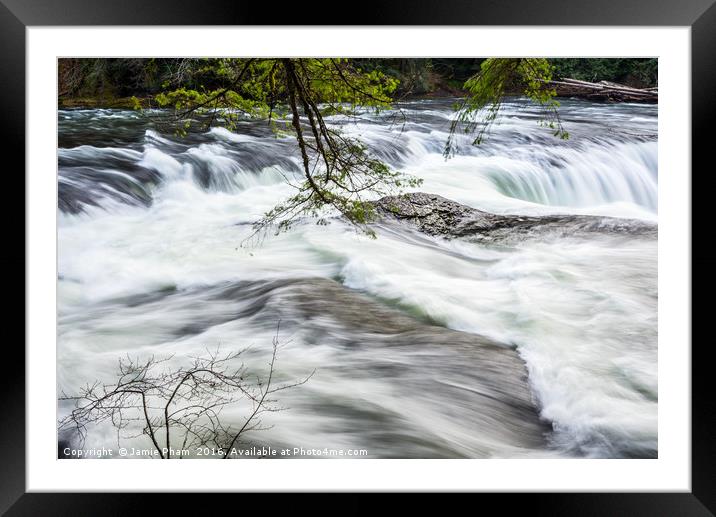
<point x="422" y="346"/>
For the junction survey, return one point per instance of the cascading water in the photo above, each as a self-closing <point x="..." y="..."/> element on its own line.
<point x="422" y="346"/>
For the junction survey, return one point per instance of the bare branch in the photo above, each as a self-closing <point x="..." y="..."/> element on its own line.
<point x="184" y="403"/>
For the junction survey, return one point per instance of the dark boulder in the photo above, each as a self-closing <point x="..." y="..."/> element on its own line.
<point x="436" y="215"/>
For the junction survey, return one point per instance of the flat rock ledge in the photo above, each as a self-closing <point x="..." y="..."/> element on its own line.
<point x="438" y="216"/>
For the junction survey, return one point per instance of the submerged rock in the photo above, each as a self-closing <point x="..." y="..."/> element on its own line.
<point x="422" y="363"/>
<point x="436" y="215"/>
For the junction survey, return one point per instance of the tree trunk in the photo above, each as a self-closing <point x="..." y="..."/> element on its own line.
<point x="604" y="91"/>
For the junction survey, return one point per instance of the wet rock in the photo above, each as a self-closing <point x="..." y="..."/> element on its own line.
<point x="493" y="395"/>
<point x="439" y="216"/>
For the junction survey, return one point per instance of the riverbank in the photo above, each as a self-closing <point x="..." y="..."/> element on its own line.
<point x="103" y="102"/>
<point x="604" y="91"/>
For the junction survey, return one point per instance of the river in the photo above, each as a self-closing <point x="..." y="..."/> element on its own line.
<point x="422" y="347"/>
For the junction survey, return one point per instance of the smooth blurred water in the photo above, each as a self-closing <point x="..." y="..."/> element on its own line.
<point x="423" y="347"/>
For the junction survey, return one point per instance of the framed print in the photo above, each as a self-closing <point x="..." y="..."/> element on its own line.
<point x="443" y="253"/>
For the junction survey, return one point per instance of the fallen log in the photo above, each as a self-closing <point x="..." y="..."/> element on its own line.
<point x="611" y="86"/>
<point x="603" y="90"/>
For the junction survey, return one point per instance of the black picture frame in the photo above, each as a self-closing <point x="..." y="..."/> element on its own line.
<point x="16" y="15"/>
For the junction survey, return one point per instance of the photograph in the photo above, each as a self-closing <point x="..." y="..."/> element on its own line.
<point x="357" y="257"/>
